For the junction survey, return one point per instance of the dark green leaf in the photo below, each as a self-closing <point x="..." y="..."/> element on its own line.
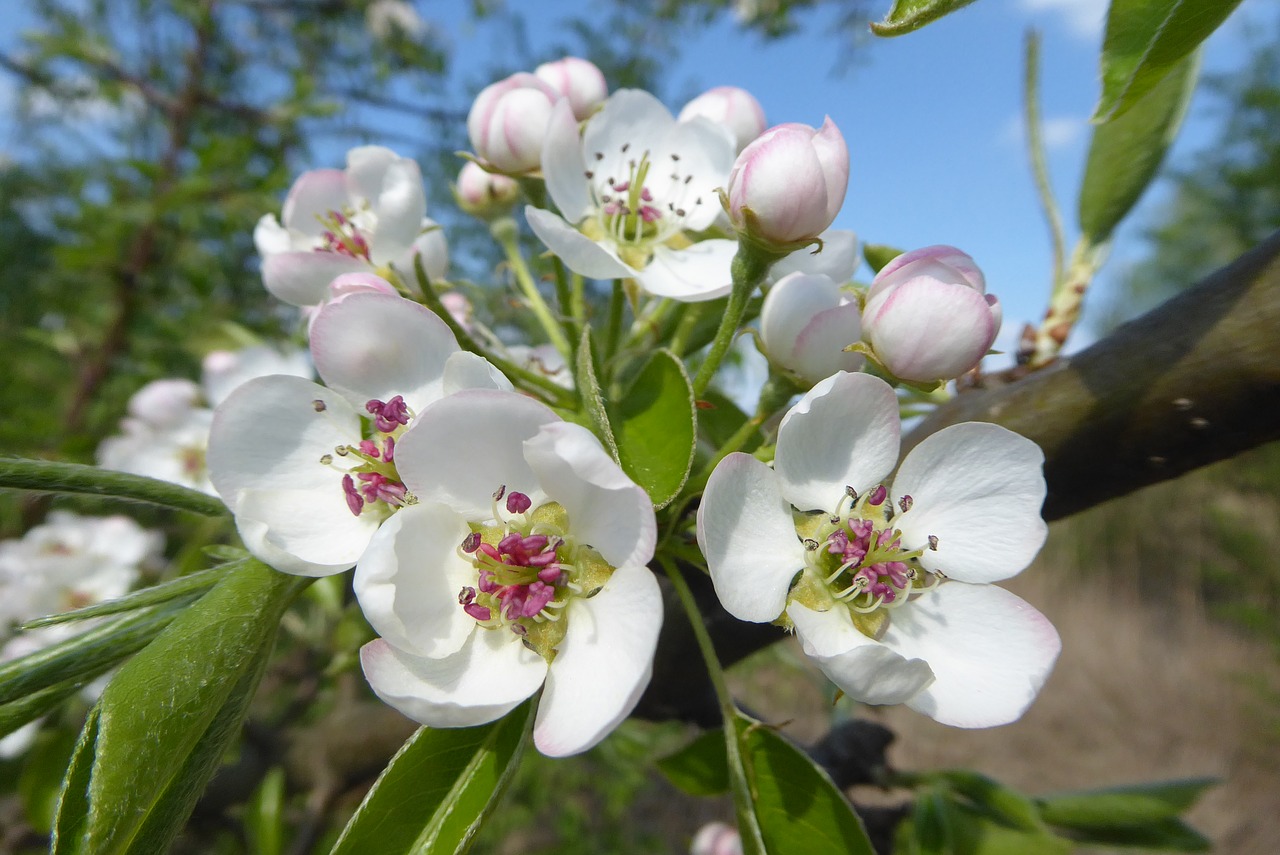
<point x="930" y="826"/>
<point x="1125" y="153"/>
<point x="15" y="714"/>
<point x="1122" y="806"/>
<point x="878" y="255"/>
<point x="994" y="799"/>
<point x="589" y="389"/>
<point x="1145" y="41"/>
<point x="1167" y="834"/>
<point x="164" y="720"/>
<point x="977" y="833"/>
<point x="50" y="477"/>
<point x="73" y="800"/>
<point x="799" y="809"/>
<point x="438" y="790"/>
<point x="907" y="16"/>
<point x="721" y="420"/>
<point x="700" y="768"/>
<point x="655" y="424"/>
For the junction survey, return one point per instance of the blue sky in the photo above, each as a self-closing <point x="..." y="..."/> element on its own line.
<point x="931" y="119"/>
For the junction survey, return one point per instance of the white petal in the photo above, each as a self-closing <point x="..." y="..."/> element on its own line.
<point x="485" y="680"/>
<point x="315" y="526"/>
<point x="991" y="652"/>
<point x="630" y="117"/>
<point x="268" y="435"/>
<point x="465" y="370"/>
<point x="838" y="258"/>
<point x="606" y="508"/>
<point x="464" y="447"/>
<point x="842" y="433"/>
<point x="603" y="664"/>
<point x="371" y="345"/>
<point x="978" y="488"/>
<point x="863" y="668"/>
<point x="409" y="578"/>
<point x="705" y="151"/>
<point x="315" y="194"/>
<point x="696" y="273"/>
<point x="580" y="253"/>
<point x="746" y="532"/>
<point x="400" y="206"/>
<point x="562" y="165"/>
<point x="432" y="247"/>
<point x="789" y="307"/>
<point x="269" y="237"/>
<point x="820" y="349"/>
<point x="302" y="278"/>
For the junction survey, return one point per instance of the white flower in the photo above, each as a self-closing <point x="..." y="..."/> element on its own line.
<point x="385" y="18"/>
<point x="368" y="217"/>
<point x="522" y="566"/>
<point x="805" y="324"/>
<point x="838" y="258"/>
<point x="224" y="371"/>
<point x="291" y="458"/>
<point x="629" y="192"/>
<point x="885" y="585"/>
<point x="736" y="109"/>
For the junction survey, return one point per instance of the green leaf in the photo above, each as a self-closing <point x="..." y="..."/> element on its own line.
<point x="655" y="424"/>
<point x="1122" y="806"/>
<point x="930" y="825"/>
<point x="15" y="714"/>
<point x="42" y="771"/>
<point x="976" y="833"/>
<point x="994" y="799"/>
<point x="264" y="820"/>
<point x="907" y="16"/>
<point x="878" y="255"/>
<point x="49" y="477"/>
<point x="438" y="790"/>
<point x="1125" y="153"/>
<point x="83" y="656"/>
<point x="801" y="812"/>
<point x="700" y="768"/>
<point x="589" y="389"/>
<point x="721" y="420"/>
<point x="183" y="586"/>
<point x="162" y="724"/>
<point x="1167" y="834"/>
<point x="1145" y="41"/>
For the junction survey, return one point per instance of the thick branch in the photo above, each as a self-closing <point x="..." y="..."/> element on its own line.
<point x="1195" y="381"/>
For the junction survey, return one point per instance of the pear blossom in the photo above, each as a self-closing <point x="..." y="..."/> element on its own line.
<point x="788" y="184"/>
<point x="578" y="80"/>
<point x="224" y="371"/>
<point x="837" y="257"/>
<point x="885" y="584"/>
<point x="508" y="122"/>
<point x="387" y="18"/>
<point x="484" y="194"/>
<point x="734" y="108"/>
<point x="716" y="838"/>
<point x="805" y="324"/>
<point x="367" y="218"/>
<point x="309" y="471"/>
<point x="631" y="190"/>
<point x="927" y="316"/>
<point x="522" y="566"/>
<point x="68" y="562"/>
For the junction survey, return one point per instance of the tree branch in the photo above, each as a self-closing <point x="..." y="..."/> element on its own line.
<point x="1192" y="382"/>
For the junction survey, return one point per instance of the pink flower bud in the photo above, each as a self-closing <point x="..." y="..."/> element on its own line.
<point x="458" y="307"/>
<point x="509" y="120"/>
<point x="578" y="80"/>
<point x="792" y="179"/>
<point x="927" y="318"/>
<point x="806" y="323"/>
<point x="731" y="107"/>
<point x="485" y="195"/>
<point x="716" y="838"/>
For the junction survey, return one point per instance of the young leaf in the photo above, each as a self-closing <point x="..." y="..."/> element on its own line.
<point x="700" y="768"/>
<point x="1170" y="835"/>
<point x="438" y="790"/>
<point x="799" y="809"/>
<point x="994" y="799"/>
<point x="1125" y="153"/>
<point x="164" y="720"/>
<point x="15" y="714"/>
<point x="976" y="833"/>
<point x="589" y="389"/>
<point x="907" y="16"/>
<point x="655" y="424"/>
<point x="1122" y="806"/>
<point x="878" y="255"/>
<point x="1145" y="40"/>
<point x="51" y="477"/>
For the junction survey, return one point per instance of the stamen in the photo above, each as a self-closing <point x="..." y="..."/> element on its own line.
<point x="319" y="405"/>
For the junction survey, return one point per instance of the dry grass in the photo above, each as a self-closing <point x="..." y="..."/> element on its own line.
<point x="1143" y="691"/>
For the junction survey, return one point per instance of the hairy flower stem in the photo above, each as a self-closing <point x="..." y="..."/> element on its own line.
<point x="750" y="266"/>
<point x="504" y="233"/>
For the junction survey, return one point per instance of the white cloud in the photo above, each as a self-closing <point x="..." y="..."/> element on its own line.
<point x="1058" y="132"/>
<point x="1085" y="19"/>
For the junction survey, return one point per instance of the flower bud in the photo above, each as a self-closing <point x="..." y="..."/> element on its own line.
<point x="731" y="107"/>
<point x="788" y="184"/>
<point x="806" y="323"/>
<point x="716" y="838"/>
<point x="485" y="195"/>
<point x="927" y="317"/>
<point x="578" y="80"/>
<point x="509" y="120"/>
